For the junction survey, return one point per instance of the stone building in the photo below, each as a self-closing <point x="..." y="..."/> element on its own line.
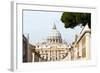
<point x="54" y="48"/>
<point x="27" y="50"/>
<point x="24" y="49"/>
<point x="81" y="46"/>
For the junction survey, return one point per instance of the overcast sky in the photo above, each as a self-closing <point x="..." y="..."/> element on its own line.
<point x="39" y="23"/>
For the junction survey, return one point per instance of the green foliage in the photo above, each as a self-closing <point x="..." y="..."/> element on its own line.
<point x="72" y="19"/>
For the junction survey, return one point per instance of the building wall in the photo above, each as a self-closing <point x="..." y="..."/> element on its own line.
<point x="82" y="47"/>
<point x="27" y="50"/>
<point x="24" y="49"/>
<point x="52" y="54"/>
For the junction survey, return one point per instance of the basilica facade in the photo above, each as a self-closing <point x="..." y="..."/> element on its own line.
<point x="54" y="48"/>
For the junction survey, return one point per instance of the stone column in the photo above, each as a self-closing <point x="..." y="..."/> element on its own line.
<point x="33" y="54"/>
<point x="48" y="55"/>
<point x="80" y="49"/>
<point x="69" y="56"/>
<point x="87" y="45"/>
<point x="54" y="54"/>
<point x="75" y="54"/>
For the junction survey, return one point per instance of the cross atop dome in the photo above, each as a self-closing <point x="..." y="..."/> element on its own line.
<point x="54" y="26"/>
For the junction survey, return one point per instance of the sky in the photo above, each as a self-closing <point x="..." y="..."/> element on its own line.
<point x="39" y="23"/>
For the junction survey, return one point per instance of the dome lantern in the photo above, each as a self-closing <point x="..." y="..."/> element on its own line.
<point x="54" y="26"/>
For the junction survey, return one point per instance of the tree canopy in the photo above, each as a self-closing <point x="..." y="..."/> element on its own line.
<point x="72" y="19"/>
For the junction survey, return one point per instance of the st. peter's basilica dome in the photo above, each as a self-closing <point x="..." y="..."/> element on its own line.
<point x="54" y="36"/>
